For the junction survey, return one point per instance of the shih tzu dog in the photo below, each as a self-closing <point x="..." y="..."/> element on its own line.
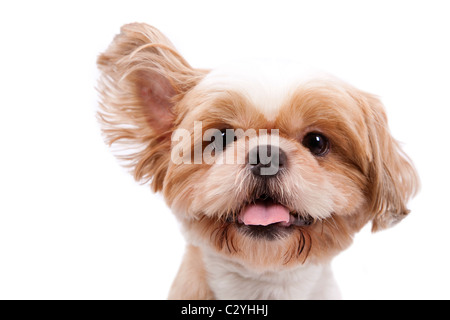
<point x="270" y="168"/>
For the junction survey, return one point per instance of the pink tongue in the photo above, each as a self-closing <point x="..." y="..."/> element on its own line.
<point x="264" y="214"/>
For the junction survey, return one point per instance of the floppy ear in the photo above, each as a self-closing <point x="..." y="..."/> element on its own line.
<point x="392" y="177"/>
<point x="143" y="77"/>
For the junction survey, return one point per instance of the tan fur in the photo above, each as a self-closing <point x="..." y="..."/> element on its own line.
<point x="148" y="90"/>
<point x="191" y="280"/>
<point x="139" y="60"/>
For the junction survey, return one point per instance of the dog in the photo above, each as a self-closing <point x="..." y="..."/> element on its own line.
<point x="270" y="168"/>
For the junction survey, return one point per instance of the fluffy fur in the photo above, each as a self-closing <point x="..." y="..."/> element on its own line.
<point x="148" y="91"/>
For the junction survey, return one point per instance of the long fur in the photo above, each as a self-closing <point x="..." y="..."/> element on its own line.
<point x="147" y="91"/>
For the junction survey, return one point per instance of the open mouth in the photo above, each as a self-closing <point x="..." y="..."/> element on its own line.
<point x="268" y="218"/>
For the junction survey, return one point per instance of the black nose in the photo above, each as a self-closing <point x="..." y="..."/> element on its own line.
<point x="266" y="160"/>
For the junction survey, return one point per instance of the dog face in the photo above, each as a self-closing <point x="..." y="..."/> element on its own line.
<point x="260" y="162"/>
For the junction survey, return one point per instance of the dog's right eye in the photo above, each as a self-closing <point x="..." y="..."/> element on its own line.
<point x="228" y="136"/>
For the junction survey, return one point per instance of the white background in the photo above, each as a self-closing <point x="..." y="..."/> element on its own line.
<point x="74" y="224"/>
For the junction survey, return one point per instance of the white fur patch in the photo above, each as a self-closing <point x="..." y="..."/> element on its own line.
<point x="266" y="83"/>
<point x="231" y="280"/>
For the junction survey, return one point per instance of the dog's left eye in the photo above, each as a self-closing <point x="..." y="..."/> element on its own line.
<point x="317" y="143"/>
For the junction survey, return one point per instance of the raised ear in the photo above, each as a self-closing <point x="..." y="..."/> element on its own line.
<point x="393" y="179"/>
<point x="142" y="79"/>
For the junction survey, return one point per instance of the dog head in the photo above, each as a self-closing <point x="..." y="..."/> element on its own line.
<point x="262" y="163"/>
